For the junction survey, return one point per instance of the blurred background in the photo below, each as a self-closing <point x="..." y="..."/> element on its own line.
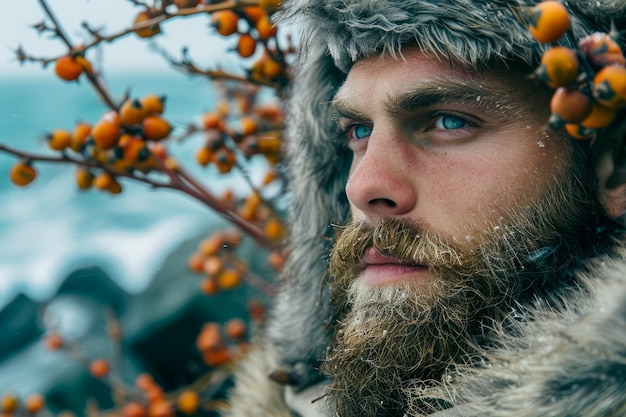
<point x="67" y="255"/>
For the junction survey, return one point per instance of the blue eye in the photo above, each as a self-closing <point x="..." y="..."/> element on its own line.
<point x="360" y="132"/>
<point x="450" y="122"/>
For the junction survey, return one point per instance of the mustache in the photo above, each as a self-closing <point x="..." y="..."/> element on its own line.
<point x="411" y="243"/>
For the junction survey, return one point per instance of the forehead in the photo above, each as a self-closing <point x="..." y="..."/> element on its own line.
<point x="414" y="70"/>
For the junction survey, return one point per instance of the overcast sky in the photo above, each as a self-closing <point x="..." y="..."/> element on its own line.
<point x="126" y="55"/>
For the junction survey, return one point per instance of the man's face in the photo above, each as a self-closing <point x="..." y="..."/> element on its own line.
<point x="446" y="148"/>
<point x="462" y="206"/>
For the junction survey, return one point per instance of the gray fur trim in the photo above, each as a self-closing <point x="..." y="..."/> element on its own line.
<point x="565" y="363"/>
<point x="469" y="31"/>
<point x="254" y="394"/>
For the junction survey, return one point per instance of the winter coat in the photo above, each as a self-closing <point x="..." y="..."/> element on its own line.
<point x="565" y="362"/>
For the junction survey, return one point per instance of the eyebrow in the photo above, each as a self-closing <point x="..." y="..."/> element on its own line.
<point x="431" y="93"/>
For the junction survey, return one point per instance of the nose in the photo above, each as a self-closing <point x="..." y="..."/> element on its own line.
<point x="381" y="183"/>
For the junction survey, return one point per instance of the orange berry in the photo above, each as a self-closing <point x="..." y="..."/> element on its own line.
<point x="601" y="49"/>
<point x="254" y="13"/>
<point x="212" y="121"/>
<point x="250" y="206"/>
<point x="270" y="111"/>
<point x="132" y="112"/>
<point x="107" y="131"/>
<point x="34" y="403"/>
<point x="217" y="357"/>
<point x="99" y="368"/>
<point x="183" y="4"/>
<point x="270" y="177"/>
<point x="60" y="139"/>
<point x="22" y="174"/>
<point x="269" y="143"/>
<point x="155" y="128"/>
<point x="266" y="28"/>
<point x="149" y="31"/>
<point x="212" y="265"/>
<point x="84" y="178"/>
<point x="153" y="104"/>
<point x="204" y="156"/>
<point x="188" y="401"/>
<point x="276" y="260"/>
<point x="235" y="329"/>
<point x="54" y="341"/>
<point x="211" y="245"/>
<point x="133" y="409"/>
<point x="559" y="67"/>
<point x="209" y="286"/>
<point x="210" y="337"/>
<point x="225" y="22"/>
<point x="196" y="262"/>
<point x="103" y="181"/>
<point x="246" y="46"/>
<point x="569" y="105"/>
<point x="144" y="381"/>
<point x="548" y="21"/>
<point x="9" y="404"/>
<point x="599" y="117"/>
<point x="154" y="393"/>
<point x="578" y="131"/>
<point x="68" y="68"/>
<point x="115" y="187"/>
<point x="609" y="86"/>
<point x="79" y="136"/>
<point x="270" y="4"/>
<point x="229" y="278"/>
<point x="133" y="149"/>
<point x="224" y="160"/>
<point x="273" y="69"/>
<point x="248" y="126"/>
<point x="160" y="408"/>
<point x="274" y="228"/>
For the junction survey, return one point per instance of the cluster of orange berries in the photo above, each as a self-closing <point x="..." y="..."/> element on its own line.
<point x="217" y="260"/>
<point x="221" y="345"/>
<point x="589" y="81"/>
<point x="251" y="24"/>
<point x="153" y="401"/>
<point x="11" y="404"/>
<point x="257" y="132"/>
<point x="123" y="140"/>
<point x="157" y="403"/>
<point x="253" y="27"/>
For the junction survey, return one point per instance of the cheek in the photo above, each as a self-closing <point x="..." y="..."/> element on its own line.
<point x="473" y="189"/>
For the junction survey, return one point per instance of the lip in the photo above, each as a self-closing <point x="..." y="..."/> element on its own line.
<point x="381" y="269"/>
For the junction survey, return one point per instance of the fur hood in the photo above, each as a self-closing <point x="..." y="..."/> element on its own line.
<point x="333" y="34"/>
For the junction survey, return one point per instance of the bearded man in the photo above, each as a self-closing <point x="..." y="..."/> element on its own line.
<point x="476" y="265"/>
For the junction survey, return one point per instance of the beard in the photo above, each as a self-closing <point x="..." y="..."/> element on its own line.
<point x="398" y="339"/>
